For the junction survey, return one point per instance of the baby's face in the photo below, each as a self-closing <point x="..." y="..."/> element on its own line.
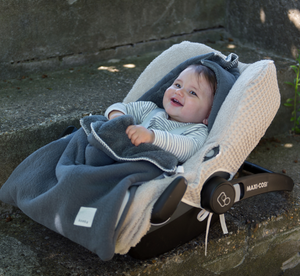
<point x="189" y="98"/>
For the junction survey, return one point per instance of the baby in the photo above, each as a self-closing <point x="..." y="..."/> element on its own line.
<point x="180" y="127"/>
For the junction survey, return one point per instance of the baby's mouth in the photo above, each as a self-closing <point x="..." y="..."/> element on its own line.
<point x="176" y="102"/>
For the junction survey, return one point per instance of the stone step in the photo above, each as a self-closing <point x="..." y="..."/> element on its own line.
<point x="264" y="231"/>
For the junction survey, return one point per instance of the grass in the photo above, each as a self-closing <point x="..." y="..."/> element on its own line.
<point x="294" y="102"/>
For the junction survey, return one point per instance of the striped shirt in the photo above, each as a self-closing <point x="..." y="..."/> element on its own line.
<point x="183" y="146"/>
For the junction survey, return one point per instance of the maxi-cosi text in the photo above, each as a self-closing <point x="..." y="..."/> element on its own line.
<point x="257" y="186"/>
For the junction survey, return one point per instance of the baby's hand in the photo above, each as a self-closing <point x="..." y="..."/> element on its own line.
<point x="139" y="134"/>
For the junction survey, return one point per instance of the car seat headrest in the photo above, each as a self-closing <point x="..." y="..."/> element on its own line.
<point x="225" y="69"/>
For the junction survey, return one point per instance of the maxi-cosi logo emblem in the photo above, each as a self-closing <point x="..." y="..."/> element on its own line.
<point x="257" y="186"/>
<point x="223" y="199"/>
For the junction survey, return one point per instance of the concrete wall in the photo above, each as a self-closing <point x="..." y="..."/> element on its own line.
<point x="38" y="35"/>
<point x="271" y="25"/>
<point x="44" y="34"/>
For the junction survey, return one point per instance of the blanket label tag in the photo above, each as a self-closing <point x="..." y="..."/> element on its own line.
<point x="85" y="216"/>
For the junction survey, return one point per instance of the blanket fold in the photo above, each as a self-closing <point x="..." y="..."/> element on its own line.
<point x="110" y="137"/>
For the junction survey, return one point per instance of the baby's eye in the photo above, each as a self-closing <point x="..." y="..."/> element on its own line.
<point x="193" y="93"/>
<point x="177" y="85"/>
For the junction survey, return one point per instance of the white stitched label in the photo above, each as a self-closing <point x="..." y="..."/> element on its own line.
<point x="85" y="217"/>
<point x="180" y="169"/>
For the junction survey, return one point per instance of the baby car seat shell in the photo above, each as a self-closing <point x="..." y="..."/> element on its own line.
<point x="218" y="196"/>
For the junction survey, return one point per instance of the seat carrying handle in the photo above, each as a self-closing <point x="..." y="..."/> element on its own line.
<point x="218" y="194"/>
<point x="167" y="203"/>
<point x="263" y="183"/>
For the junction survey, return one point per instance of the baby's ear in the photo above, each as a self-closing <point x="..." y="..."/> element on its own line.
<point x="205" y="121"/>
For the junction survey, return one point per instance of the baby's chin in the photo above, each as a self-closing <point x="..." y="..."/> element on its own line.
<point x="179" y="120"/>
<point x="182" y="120"/>
<point x="171" y="118"/>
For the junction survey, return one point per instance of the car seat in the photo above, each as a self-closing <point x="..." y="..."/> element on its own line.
<point x="179" y="207"/>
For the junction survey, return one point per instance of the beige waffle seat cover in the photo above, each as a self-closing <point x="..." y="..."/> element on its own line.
<point x="241" y="122"/>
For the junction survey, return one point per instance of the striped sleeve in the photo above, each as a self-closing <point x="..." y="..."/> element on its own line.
<point x="139" y="110"/>
<point x="182" y="146"/>
<point x="117" y="106"/>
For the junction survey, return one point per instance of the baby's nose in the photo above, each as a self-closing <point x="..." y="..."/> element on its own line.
<point x="180" y="92"/>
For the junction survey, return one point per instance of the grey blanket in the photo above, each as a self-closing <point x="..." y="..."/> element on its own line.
<point x="76" y="185"/>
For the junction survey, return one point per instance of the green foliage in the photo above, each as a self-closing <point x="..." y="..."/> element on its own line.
<point x="294" y="102"/>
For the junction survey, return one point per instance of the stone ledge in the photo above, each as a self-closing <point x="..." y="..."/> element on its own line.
<point x="263" y="234"/>
<point x="56" y="63"/>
